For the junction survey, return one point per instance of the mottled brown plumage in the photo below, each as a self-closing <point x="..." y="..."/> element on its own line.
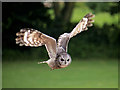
<point x="59" y="58"/>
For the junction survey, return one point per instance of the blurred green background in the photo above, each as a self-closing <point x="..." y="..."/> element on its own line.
<point x="94" y="52"/>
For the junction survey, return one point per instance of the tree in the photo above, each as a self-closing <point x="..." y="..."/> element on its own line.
<point x="62" y="14"/>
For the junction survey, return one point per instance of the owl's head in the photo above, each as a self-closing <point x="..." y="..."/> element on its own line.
<point x="64" y="60"/>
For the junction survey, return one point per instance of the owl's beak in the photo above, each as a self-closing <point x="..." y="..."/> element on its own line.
<point x="65" y="62"/>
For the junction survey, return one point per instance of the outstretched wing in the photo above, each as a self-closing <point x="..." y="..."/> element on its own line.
<point x="81" y="26"/>
<point x="63" y="41"/>
<point x="34" y="38"/>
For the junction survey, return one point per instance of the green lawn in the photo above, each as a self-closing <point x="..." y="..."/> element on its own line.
<point x="80" y="74"/>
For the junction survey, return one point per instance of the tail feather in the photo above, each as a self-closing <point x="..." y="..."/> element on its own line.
<point x="42" y="62"/>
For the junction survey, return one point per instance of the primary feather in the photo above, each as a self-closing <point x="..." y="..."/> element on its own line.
<point x="83" y="25"/>
<point x="34" y="38"/>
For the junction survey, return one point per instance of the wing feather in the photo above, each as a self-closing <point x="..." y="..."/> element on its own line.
<point x="63" y="41"/>
<point x="81" y="26"/>
<point x="34" y="38"/>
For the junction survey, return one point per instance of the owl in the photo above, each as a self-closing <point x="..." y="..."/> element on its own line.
<point x="57" y="51"/>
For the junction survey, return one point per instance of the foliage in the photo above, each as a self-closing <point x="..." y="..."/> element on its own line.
<point x="110" y="7"/>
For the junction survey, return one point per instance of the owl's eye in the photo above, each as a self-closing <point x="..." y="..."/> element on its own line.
<point x="62" y="59"/>
<point x="68" y="59"/>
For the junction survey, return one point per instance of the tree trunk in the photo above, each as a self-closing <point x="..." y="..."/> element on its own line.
<point x="62" y="15"/>
<point x="67" y="12"/>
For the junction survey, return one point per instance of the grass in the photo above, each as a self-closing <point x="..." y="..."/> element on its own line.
<point x="80" y="74"/>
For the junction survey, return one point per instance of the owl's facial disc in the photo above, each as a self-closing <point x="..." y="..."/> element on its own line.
<point x="65" y="60"/>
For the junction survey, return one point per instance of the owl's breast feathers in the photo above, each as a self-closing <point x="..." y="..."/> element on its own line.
<point x="53" y="64"/>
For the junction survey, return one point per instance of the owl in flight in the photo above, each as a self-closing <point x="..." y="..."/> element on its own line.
<point x="57" y="51"/>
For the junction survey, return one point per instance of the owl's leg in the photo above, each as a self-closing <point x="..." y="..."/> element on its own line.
<point x="42" y="62"/>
